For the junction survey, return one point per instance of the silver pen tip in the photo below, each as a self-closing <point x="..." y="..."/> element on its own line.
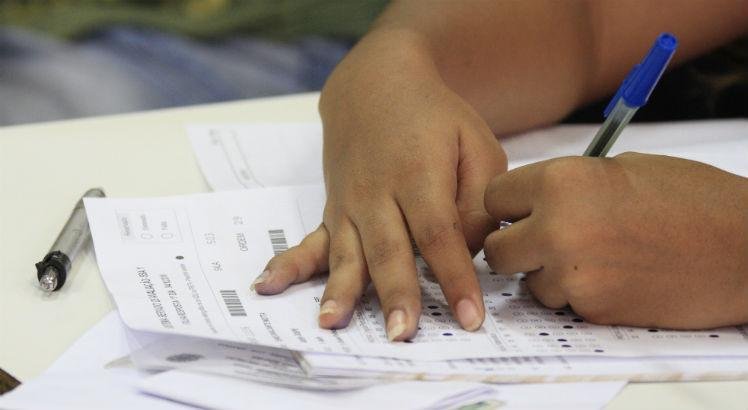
<point x="48" y="281"/>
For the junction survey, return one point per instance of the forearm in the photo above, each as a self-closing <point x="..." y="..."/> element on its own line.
<point x="523" y="64"/>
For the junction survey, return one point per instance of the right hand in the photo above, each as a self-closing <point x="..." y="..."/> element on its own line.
<point x="403" y="156"/>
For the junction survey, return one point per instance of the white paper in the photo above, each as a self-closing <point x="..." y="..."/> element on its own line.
<point x="79" y="379"/>
<point x="235" y="156"/>
<point x="183" y="266"/>
<point x="532" y="369"/>
<point x="226" y="393"/>
<point x="340" y="372"/>
<point x="719" y="143"/>
<point x="252" y="363"/>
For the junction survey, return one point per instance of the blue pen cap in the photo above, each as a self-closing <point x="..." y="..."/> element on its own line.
<point x="640" y="82"/>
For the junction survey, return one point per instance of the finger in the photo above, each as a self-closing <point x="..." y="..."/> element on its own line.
<point x="479" y="162"/>
<point x="515" y="248"/>
<point x="348" y="277"/>
<point x="436" y="228"/>
<point x="544" y="285"/>
<point x="295" y="265"/>
<point x="391" y="265"/>
<point x="509" y="196"/>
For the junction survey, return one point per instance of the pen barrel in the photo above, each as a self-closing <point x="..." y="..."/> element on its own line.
<point x="610" y="130"/>
<point x="75" y="233"/>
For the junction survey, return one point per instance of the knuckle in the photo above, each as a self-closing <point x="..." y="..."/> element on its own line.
<point x="371" y="218"/>
<point x="562" y="173"/>
<point x="383" y="251"/>
<point x="629" y="155"/>
<point x="340" y="258"/>
<point x="361" y="189"/>
<point x="412" y="169"/>
<point x="416" y="198"/>
<point x="438" y="236"/>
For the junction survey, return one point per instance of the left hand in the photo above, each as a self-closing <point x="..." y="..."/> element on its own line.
<point x="639" y="240"/>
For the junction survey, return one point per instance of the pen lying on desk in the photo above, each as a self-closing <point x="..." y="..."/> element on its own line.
<point x="53" y="269"/>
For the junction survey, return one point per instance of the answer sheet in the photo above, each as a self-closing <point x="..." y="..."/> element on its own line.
<point x="260" y="364"/>
<point x="183" y="266"/>
<point x="531" y="369"/>
<point x="320" y="371"/>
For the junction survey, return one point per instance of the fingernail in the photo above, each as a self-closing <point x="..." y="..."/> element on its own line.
<point x="330" y="307"/>
<point x="395" y="324"/>
<point x="467" y="314"/>
<point x="260" y="279"/>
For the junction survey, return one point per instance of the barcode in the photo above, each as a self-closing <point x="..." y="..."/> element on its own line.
<point x="278" y="241"/>
<point x="233" y="304"/>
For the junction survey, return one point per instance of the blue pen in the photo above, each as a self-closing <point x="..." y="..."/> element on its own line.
<point x="632" y="94"/>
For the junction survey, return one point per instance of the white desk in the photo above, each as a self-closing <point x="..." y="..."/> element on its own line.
<point x="44" y="168"/>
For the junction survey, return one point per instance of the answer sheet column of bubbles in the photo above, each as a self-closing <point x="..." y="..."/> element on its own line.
<point x="522" y="322"/>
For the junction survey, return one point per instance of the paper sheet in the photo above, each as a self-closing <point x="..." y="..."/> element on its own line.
<point x="252" y="363"/>
<point x="236" y="156"/>
<point x="532" y="369"/>
<point x="340" y="372"/>
<point x="183" y="266"/>
<point x="226" y="393"/>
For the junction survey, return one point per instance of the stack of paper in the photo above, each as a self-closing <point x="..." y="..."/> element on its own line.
<point x="94" y="374"/>
<point x="181" y="268"/>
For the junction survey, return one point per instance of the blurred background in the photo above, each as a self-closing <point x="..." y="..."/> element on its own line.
<point x="73" y="58"/>
<point x="64" y="59"/>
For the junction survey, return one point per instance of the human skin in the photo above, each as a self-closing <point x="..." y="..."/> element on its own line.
<point x="409" y="120"/>
<point x="639" y="240"/>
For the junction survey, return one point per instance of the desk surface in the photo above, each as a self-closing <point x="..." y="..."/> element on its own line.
<point x="44" y="168"/>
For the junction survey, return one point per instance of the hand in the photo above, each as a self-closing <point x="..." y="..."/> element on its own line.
<point x="403" y="156"/>
<point x="640" y="240"/>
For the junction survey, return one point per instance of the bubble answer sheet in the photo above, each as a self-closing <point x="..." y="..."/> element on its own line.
<point x="183" y="266"/>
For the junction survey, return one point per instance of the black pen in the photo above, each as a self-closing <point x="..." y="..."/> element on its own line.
<point x="53" y="269"/>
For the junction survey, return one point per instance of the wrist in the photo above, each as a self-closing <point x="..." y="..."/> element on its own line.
<point x="382" y="58"/>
